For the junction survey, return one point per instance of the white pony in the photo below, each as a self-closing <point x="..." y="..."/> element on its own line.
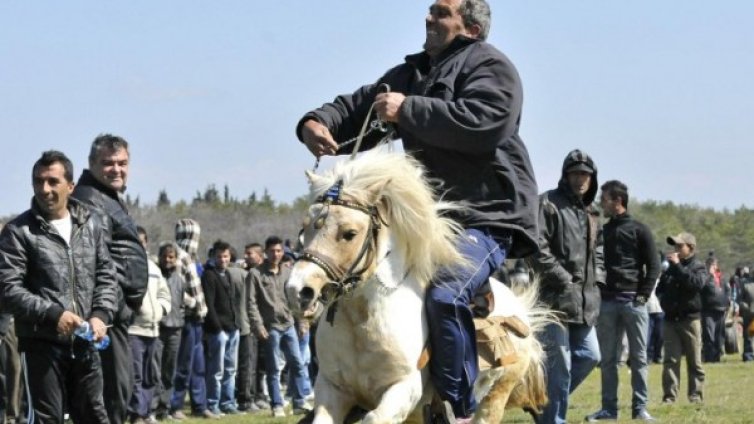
<point x="373" y="238"/>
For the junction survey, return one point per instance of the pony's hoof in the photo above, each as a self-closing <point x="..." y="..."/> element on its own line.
<point x="439" y="413"/>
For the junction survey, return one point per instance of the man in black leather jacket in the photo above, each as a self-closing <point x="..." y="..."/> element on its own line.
<point x="55" y="274"/>
<point x="102" y="186"/>
<point x="570" y="266"/>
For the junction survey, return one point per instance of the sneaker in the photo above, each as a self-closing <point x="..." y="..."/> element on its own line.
<point x="248" y="407"/>
<point x="642" y="415"/>
<point x="178" y="415"/>
<point x="207" y="414"/>
<point x="151" y="419"/>
<point x="601" y="415"/>
<point x="233" y="411"/>
<point x="278" y="411"/>
<point x="303" y="408"/>
<point x="262" y="404"/>
<point x="695" y="399"/>
<point x="668" y="401"/>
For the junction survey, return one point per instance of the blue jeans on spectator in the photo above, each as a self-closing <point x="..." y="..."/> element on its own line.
<point x="572" y="351"/>
<point x="306" y="358"/>
<point x="454" y="365"/>
<point x="618" y="318"/>
<point x="284" y="342"/>
<point x="222" y="358"/>
<point x="146" y="376"/>
<point x="189" y="372"/>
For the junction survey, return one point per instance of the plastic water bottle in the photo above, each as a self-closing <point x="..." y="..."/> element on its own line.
<point x="85" y="332"/>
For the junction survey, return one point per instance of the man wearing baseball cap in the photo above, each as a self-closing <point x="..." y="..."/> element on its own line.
<point x="679" y="292"/>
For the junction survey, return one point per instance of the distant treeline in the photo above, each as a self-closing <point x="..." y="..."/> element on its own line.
<point x="730" y="234"/>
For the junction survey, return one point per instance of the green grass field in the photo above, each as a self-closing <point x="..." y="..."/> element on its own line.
<point x="728" y="398"/>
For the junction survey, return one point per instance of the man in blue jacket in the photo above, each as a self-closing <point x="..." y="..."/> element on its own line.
<point x="457" y="108"/>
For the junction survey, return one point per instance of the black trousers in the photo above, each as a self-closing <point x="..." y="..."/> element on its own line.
<point x="117" y="370"/>
<point x="713" y="335"/>
<point x="246" y="378"/>
<point x="63" y="377"/>
<point x="10" y="376"/>
<point x="166" y="358"/>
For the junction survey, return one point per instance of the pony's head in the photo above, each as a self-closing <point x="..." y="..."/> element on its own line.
<point x="361" y="211"/>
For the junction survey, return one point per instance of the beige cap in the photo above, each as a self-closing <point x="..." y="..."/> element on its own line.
<point x="682" y="238"/>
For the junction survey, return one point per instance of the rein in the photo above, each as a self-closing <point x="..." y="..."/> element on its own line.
<point x="375" y="125"/>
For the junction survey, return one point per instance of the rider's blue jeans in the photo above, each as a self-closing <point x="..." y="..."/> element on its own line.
<point x="454" y="366"/>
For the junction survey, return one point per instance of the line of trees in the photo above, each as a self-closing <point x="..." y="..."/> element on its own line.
<point x="730" y="234"/>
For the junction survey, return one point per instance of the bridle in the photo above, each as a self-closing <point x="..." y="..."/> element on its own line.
<point x="342" y="280"/>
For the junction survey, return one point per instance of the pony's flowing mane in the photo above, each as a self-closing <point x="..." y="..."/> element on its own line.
<point x="395" y="182"/>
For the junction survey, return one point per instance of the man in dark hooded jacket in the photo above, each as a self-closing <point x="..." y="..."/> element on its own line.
<point x="570" y="267"/>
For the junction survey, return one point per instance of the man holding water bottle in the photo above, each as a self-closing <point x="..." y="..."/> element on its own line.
<point x="57" y="277"/>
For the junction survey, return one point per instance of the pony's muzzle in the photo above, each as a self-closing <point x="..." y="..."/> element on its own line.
<point x="306" y="298"/>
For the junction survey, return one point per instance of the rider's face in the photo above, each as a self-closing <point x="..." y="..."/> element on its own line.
<point x="444" y="23"/>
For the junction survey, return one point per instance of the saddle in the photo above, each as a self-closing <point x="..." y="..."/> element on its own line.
<point x="493" y="334"/>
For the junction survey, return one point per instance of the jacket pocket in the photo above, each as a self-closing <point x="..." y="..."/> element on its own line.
<point x="442" y="88"/>
<point x="569" y="301"/>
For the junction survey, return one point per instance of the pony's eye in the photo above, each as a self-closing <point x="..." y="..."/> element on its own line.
<point x="349" y="235"/>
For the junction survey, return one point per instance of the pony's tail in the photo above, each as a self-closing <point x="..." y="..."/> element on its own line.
<point x="532" y="394"/>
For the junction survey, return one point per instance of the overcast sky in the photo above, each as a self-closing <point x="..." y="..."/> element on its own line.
<point x="660" y="93"/>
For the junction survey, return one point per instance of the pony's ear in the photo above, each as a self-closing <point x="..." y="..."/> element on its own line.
<point x="312" y="177"/>
<point x="376" y="190"/>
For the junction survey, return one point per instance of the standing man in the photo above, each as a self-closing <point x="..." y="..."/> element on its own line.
<point x="570" y="267"/>
<point x="632" y="267"/>
<point x="223" y="287"/>
<point x="246" y="377"/>
<point x="253" y="255"/>
<point x="746" y="306"/>
<point x="190" y="368"/>
<point x="457" y="108"/>
<point x="715" y="303"/>
<point x="170" y="327"/>
<point x="56" y="274"/>
<point x="272" y="321"/>
<point x="679" y="291"/>
<point x="102" y="187"/>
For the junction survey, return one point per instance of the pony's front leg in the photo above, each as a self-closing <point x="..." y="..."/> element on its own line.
<point x="398" y="401"/>
<point x="331" y="404"/>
